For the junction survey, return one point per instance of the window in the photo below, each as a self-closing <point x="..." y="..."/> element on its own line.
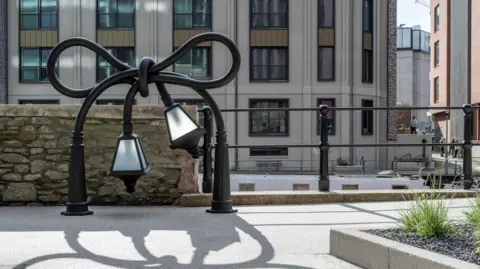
<point x="38" y="102"/>
<point x="367" y="118"/>
<point x="268" y="64"/>
<point x="192" y="14"/>
<point x="331" y="116"/>
<point x="38" y="14"/>
<point x="436" y="53"/>
<point x="196" y="64"/>
<point x="269" y="14"/>
<point x="437" y="18"/>
<point x="268" y="152"/>
<point x="326" y="47"/>
<point x="33" y="64"/>
<point x="194" y="102"/>
<point x="113" y="102"/>
<point x="116" y="14"/>
<point x="436" y="91"/>
<point x="268" y="123"/>
<point x="124" y="54"/>
<point x="367" y="57"/>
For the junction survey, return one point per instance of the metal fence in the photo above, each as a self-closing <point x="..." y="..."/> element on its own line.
<point x="325" y="166"/>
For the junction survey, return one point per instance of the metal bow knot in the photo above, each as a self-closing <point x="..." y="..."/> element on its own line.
<point x="148" y="71"/>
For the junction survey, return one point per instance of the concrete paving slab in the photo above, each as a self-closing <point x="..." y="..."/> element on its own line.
<point x="294" y="237"/>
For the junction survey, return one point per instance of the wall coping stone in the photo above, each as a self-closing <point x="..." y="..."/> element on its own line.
<point x="96" y="111"/>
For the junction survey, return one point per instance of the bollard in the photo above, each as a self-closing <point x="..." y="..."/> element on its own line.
<point x="324" y="183"/>
<point x="207" y="184"/>
<point x="467" y="146"/>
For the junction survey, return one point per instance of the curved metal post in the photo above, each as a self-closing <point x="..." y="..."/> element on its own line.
<point x="148" y="72"/>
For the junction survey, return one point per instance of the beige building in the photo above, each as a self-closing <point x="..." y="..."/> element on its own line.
<point x="295" y="53"/>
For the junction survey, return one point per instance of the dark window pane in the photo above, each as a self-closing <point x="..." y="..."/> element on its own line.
<point x="260" y="73"/>
<point x="44" y="56"/>
<point x="29" y="21"/>
<point x="278" y="6"/>
<point x="39" y="102"/>
<point x="125" y="20"/>
<point x="183" y="6"/>
<point x="269" y="13"/>
<point x="30" y="57"/>
<point x="195" y="64"/>
<point x="278" y="72"/>
<point x="278" y="20"/>
<point x="326" y="13"/>
<point x="193" y="13"/>
<point x="183" y="21"/>
<point x="367" y="16"/>
<point x="326" y="63"/>
<point x="29" y="6"/>
<point x="260" y="56"/>
<point x="29" y="74"/>
<point x="269" y="152"/>
<point x="260" y="20"/>
<point x="269" y="122"/>
<point x="48" y="20"/>
<point x="107" y="20"/>
<point x="107" y="6"/>
<point x="126" y="6"/>
<point x="367" y="75"/>
<point x="43" y="74"/>
<point x="367" y="118"/>
<point x="201" y="20"/>
<point x="48" y="6"/>
<point x="260" y="6"/>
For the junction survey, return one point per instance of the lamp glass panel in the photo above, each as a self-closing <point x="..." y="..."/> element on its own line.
<point x="179" y="123"/>
<point x="127" y="157"/>
<point x="142" y="154"/>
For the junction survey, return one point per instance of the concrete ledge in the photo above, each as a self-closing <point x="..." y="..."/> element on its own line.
<point x="316" y="197"/>
<point x="372" y="252"/>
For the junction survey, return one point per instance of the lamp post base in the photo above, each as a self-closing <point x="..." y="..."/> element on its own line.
<point x="77" y="209"/>
<point x="221" y="208"/>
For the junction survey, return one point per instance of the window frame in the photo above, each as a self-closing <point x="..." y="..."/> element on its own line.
<point x="209" y="14"/>
<point x="334" y="120"/>
<point x="436" y="18"/>
<point x="39" y="16"/>
<point x="436" y="90"/>
<point x="265" y="134"/>
<point x="39" y="67"/>
<point x="209" y="62"/>
<point x="268" y="149"/>
<point x="115" y="55"/>
<point x="287" y="15"/>
<point x="369" y="114"/>
<point x="270" y="48"/>
<point x="98" y="14"/>
<point x="436" y="52"/>
<point x="333" y="26"/>
<point x="38" y="101"/>
<point x="368" y="62"/>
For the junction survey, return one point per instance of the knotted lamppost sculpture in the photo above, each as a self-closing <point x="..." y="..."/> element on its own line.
<point x="129" y="162"/>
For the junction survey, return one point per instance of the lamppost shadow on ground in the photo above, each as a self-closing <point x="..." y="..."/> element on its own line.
<point x="206" y="233"/>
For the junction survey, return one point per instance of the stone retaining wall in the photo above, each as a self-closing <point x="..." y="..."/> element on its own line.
<point x="34" y="155"/>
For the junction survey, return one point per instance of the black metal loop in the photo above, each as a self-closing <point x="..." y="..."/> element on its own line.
<point x="149" y="73"/>
<point x="143" y="70"/>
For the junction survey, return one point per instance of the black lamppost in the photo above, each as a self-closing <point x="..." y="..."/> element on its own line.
<point x="129" y="162"/>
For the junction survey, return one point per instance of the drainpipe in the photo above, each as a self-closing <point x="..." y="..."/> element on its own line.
<point x="351" y="78"/>
<point x="235" y="14"/>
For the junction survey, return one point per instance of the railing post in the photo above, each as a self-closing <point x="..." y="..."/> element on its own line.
<point x="324" y="183"/>
<point x="207" y="185"/>
<point x="467" y="146"/>
<point x="424" y="148"/>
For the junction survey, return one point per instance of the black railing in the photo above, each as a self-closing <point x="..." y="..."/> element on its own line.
<point x="324" y="144"/>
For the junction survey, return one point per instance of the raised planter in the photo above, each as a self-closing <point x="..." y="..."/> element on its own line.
<point x="348" y="169"/>
<point x="373" y="252"/>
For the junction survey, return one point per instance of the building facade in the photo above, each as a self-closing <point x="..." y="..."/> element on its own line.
<point x="295" y="53"/>
<point x="453" y="65"/>
<point x="413" y="67"/>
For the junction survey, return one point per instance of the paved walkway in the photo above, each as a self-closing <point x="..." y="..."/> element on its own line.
<point x="295" y="237"/>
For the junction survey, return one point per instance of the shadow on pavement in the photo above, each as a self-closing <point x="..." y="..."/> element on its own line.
<point x="207" y="232"/>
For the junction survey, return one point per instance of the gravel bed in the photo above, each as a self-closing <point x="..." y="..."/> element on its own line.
<point x="459" y="245"/>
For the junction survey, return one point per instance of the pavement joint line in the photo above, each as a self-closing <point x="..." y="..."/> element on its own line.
<point x="370" y="212"/>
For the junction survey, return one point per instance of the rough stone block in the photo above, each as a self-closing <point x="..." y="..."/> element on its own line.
<point x="20" y="192"/>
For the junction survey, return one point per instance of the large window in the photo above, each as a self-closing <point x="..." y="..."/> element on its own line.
<point x="436" y="90"/>
<point x="268" y="64"/>
<point x="268" y="123"/>
<point x="124" y="54"/>
<point x="436" y="53"/>
<point x="33" y="64"/>
<point x="269" y="14"/>
<point x="192" y="14"/>
<point x="194" y="102"/>
<point x="116" y="14"/>
<point x="38" y="102"/>
<point x="367" y="118"/>
<point x="196" y="64"/>
<point x="437" y="18"/>
<point x="367" y="57"/>
<point x="330" y="102"/>
<point x="326" y="46"/>
<point x="38" y="14"/>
